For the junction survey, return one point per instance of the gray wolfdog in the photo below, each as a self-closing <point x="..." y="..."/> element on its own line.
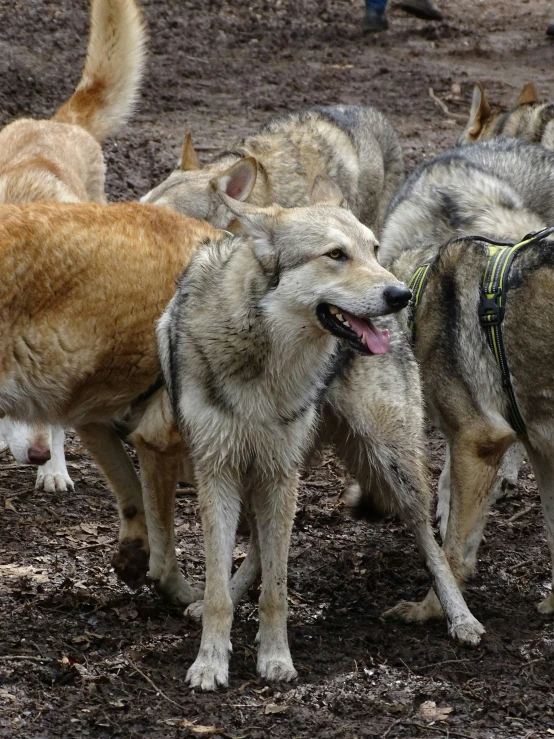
<point x="501" y="189"/>
<point x="529" y="120"/>
<point x="355" y="146"/>
<point x="268" y="338"/>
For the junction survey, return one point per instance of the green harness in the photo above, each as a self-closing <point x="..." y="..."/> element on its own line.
<point x="492" y="306"/>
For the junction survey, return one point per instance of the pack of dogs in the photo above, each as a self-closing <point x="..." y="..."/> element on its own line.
<point x="295" y="293"/>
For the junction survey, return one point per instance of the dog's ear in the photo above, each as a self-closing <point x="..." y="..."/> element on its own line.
<point x="189" y="160"/>
<point x="238" y="181"/>
<point x="259" y="224"/>
<point x="326" y="191"/>
<point x="480" y="112"/>
<point x="528" y="95"/>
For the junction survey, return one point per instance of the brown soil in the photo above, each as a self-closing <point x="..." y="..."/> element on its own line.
<point x="104" y="662"/>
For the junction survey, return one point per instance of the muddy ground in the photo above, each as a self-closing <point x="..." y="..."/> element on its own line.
<point x="82" y="656"/>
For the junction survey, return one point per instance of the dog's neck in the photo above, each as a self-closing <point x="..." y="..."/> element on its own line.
<point x="409" y="260"/>
<point x="281" y="355"/>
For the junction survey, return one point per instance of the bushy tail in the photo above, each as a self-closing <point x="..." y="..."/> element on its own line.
<point x="108" y="89"/>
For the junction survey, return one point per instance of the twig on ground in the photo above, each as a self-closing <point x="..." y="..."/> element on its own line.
<point x="447" y="662"/>
<point x="520" y="514"/>
<point x="448" y="730"/>
<point x="391" y="727"/>
<point x="153" y="684"/>
<point x="444" y="107"/>
<point x="22" y="658"/>
<point x="519" y="565"/>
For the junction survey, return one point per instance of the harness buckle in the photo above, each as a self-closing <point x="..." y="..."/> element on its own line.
<point x="490" y="313"/>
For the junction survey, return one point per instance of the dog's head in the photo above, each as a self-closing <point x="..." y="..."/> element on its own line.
<point x="320" y="269"/>
<point x="193" y="192"/>
<point x="483" y="118"/>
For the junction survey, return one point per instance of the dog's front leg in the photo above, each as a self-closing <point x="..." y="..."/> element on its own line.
<point x="274" y="508"/>
<point x="131" y="561"/>
<point x="53" y="475"/>
<point x="219" y="501"/>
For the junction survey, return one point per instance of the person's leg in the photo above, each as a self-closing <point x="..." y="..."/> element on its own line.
<point x="375" y="18"/>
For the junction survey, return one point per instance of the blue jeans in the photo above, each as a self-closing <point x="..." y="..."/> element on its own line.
<point x="378" y="5"/>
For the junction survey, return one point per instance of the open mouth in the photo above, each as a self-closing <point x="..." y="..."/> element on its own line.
<point x="360" y="333"/>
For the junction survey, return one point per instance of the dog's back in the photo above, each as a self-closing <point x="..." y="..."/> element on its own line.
<point x="491" y="188"/>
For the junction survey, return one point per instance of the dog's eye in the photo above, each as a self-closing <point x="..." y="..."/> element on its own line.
<point x="336" y="254"/>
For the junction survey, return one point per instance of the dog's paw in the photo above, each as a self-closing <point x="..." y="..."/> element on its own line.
<point x="276" y="667"/>
<point x="209" y="674"/>
<point x="409" y="612"/>
<point x="467" y="630"/>
<point x="547" y="605"/>
<point x="53" y="482"/>
<point x="173" y="587"/>
<point x="130" y="562"/>
<point x="195" y="611"/>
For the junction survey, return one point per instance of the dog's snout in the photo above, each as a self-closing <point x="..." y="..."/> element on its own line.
<point x="397" y="296"/>
<point x="38" y="454"/>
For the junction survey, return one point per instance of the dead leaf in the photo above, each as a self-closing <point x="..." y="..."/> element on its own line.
<point x="273" y="708"/>
<point x="198" y="729"/>
<point x="429" y="711"/>
<point x="550" y="731"/>
<point x="90" y="528"/>
<point x="9" y="506"/>
<point x="244" y="686"/>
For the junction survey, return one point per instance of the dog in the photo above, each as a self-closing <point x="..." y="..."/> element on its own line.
<point x="355" y="146"/>
<point x="61" y="159"/>
<point x="500" y="189"/>
<point x="272" y="338"/>
<point x="84" y="285"/>
<point x="530" y="119"/>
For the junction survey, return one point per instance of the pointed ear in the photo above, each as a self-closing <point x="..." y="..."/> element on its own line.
<point x="259" y="224"/>
<point x="528" y="95"/>
<point x="189" y="160"/>
<point x="326" y="191"/>
<point x="480" y="111"/>
<point x="238" y="181"/>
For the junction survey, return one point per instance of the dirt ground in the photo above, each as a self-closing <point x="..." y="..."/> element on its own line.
<point x="80" y="655"/>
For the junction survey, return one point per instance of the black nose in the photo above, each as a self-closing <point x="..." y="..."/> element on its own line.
<point x="397" y="297"/>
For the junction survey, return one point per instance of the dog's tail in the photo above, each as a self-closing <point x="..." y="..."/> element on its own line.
<point x="364" y="504"/>
<point x="106" y="94"/>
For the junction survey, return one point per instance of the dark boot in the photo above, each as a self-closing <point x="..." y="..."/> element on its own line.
<point x="423" y="9"/>
<point x="374" y="21"/>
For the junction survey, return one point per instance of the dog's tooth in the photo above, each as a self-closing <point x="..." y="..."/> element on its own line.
<point x="346" y="323"/>
<point x="362" y="339"/>
<point x="333" y="309"/>
<point x="339" y="316"/>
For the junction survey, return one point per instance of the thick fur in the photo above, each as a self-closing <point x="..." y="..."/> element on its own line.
<point x="255" y="379"/>
<point x="500" y="189"/>
<point x="83" y="287"/>
<point x="354" y="146"/>
<point x="530" y="119"/>
<point x="61" y="159"/>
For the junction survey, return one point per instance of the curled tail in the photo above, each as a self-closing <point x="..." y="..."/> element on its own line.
<point x="108" y="89"/>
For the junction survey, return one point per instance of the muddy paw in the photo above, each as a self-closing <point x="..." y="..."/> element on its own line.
<point x="209" y="674"/>
<point x="130" y="562"/>
<point x="414" y="612"/>
<point x="174" y="588"/>
<point x="547" y="605"/>
<point x="467" y="630"/>
<point x="276" y="668"/>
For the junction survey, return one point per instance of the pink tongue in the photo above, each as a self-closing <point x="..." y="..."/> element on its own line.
<point x="377" y="341"/>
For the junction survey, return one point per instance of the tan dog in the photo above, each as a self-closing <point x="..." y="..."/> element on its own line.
<point x="83" y="286"/>
<point x="530" y="119"/>
<point x="61" y="159"/>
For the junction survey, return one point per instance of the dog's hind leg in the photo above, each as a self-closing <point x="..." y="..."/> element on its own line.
<point x="219" y="501"/>
<point x="274" y="507"/>
<point x="131" y="561"/>
<point x="160" y="450"/>
<point x="543" y="466"/>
